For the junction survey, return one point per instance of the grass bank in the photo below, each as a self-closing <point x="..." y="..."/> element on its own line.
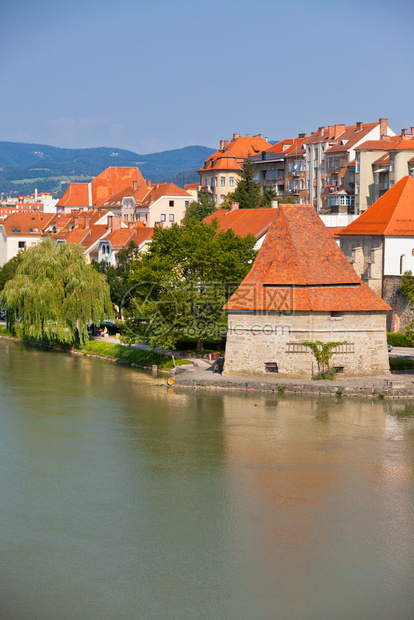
<point x="107" y="351"/>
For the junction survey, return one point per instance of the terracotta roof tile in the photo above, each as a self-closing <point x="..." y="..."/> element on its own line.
<point x="244" y="221"/>
<point x="392" y="214"/>
<point x="301" y="268"/>
<point x="27" y="224"/>
<point x="233" y="155"/>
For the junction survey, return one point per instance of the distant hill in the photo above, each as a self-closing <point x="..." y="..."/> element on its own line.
<point x="24" y="167"/>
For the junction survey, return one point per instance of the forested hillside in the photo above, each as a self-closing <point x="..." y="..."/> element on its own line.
<point x="24" y="167"/>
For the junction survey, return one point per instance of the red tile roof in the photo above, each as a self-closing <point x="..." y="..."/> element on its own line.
<point x="244" y="221"/>
<point x="26" y="224"/>
<point x="233" y="155"/>
<point x="392" y="214"/>
<point x="379" y="145"/>
<point x="122" y="237"/>
<point x="106" y="184"/>
<point x="351" y="136"/>
<point x="301" y="268"/>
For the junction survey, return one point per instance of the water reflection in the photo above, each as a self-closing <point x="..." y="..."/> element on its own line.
<point x="121" y="498"/>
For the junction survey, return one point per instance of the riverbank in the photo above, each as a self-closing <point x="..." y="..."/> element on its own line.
<point x="114" y="352"/>
<point x="395" y="385"/>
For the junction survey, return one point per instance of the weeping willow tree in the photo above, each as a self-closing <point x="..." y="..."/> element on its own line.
<point x="55" y="294"/>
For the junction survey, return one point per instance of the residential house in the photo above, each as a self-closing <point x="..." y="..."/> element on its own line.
<point x="96" y="192"/>
<point x="159" y="204"/>
<point x="301" y="288"/>
<point x="110" y="244"/>
<point x="222" y="170"/>
<point x="380" y="246"/>
<point x="380" y="164"/>
<point x="19" y="231"/>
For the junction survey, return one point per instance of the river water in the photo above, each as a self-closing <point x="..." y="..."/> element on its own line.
<point x="123" y="499"/>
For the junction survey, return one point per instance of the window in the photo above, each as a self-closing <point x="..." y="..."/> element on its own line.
<point x="22" y="245"/>
<point x="171" y="203"/>
<point x="186" y="203"/>
<point x="231" y="181"/>
<point x="376" y="175"/>
<point x="357" y="164"/>
<point x="163" y="218"/>
<point x="402" y="264"/>
<point x="222" y="181"/>
<point x="356" y="188"/>
<point x="391" y="165"/>
<point x="336" y="160"/>
<point x="290" y="166"/>
<point x="342" y="182"/>
<point x="222" y="197"/>
<point x="171" y="217"/>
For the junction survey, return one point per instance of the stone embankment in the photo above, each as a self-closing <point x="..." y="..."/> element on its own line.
<point x="395" y="385"/>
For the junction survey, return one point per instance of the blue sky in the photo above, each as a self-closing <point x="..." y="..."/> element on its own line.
<point x="151" y="75"/>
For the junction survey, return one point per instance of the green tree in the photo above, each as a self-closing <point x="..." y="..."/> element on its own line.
<point x="407" y="289"/>
<point x="181" y="284"/>
<point x="269" y="194"/>
<point x="118" y="276"/>
<point x="248" y="192"/>
<point x="55" y="294"/>
<point x="199" y="209"/>
<point x="8" y="271"/>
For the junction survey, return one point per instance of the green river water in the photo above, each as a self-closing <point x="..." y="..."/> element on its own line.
<point x="123" y="499"/>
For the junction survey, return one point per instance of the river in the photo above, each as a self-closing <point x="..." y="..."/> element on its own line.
<point x="121" y="498"/>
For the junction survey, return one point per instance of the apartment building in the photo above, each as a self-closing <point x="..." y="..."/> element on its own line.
<point x="379" y="164"/>
<point x="271" y="167"/>
<point x="329" y="151"/>
<point x="222" y="170"/>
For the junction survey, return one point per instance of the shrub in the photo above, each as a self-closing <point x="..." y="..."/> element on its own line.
<point x="399" y="364"/>
<point x="398" y="340"/>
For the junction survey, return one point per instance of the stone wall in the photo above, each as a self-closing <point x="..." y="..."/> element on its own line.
<point x="401" y="314"/>
<point x="254" y="340"/>
<point x="365" y="253"/>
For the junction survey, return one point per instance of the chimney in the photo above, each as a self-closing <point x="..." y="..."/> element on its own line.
<point x="301" y="136"/>
<point x="404" y="134"/>
<point x="358" y="126"/>
<point x="247" y="135"/>
<point x="221" y="145"/>
<point x="234" y="206"/>
<point x="226" y="143"/>
<point x="235" y="136"/>
<point x="320" y="131"/>
<point x="338" y="129"/>
<point x="85" y="221"/>
<point x="114" y="223"/>
<point x="274" y="204"/>
<point x="36" y="194"/>
<point x="148" y="183"/>
<point x="412" y="131"/>
<point x="75" y="221"/>
<point x="110" y="224"/>
<point x="383" y="127"/>
<point x="134" y="185"/>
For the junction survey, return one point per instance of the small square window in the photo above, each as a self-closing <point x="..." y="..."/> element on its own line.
<point x="22" y="245"/>
<point x="222" y="181"/>
<point x="163" y="218"/>
<point x="171" y="203"/>
<point x="171" y="217"/>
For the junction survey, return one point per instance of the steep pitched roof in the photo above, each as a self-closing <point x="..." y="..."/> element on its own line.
<point x="106" y="184"/>
<point x="379" y="145"/>
<point x="244" y="221"/>
<point x="392" y="214"/>
<point x="122" y="237"/>
<point x="301" y="268"/>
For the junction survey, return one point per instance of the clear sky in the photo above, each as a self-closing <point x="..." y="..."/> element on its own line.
<point x="151" y="75"/>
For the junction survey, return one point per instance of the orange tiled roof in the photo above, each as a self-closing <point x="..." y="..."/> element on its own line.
<point x="26" y="224"/>
<point x="106" y="184"/>
<point x="233" y="155"/>
<point x="301" y="268"/>
<point x="384" y="159"/>
<point x="379" y="145"/>
<point x="244" y="221"/>
<point x="121" y="237"/>
<point x="191" y="186"/>
<point x="392" y="214"/>
<point x="350" y="136"/>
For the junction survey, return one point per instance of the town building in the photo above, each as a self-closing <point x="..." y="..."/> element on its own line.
<point x="19" y="231"/>
<point x="380" y="246"/>
<point x="158" y="204"/>
<point x="118" y="239"/>
<point x="222" y="170"/>
<point x="272" y="168"/>
<point x="379" y="164"/>
<point x="101" y="188"/>
<point x="301" y="288"/>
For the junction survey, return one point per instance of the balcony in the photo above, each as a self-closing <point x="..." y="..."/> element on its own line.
<point x="296" y="173"/>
